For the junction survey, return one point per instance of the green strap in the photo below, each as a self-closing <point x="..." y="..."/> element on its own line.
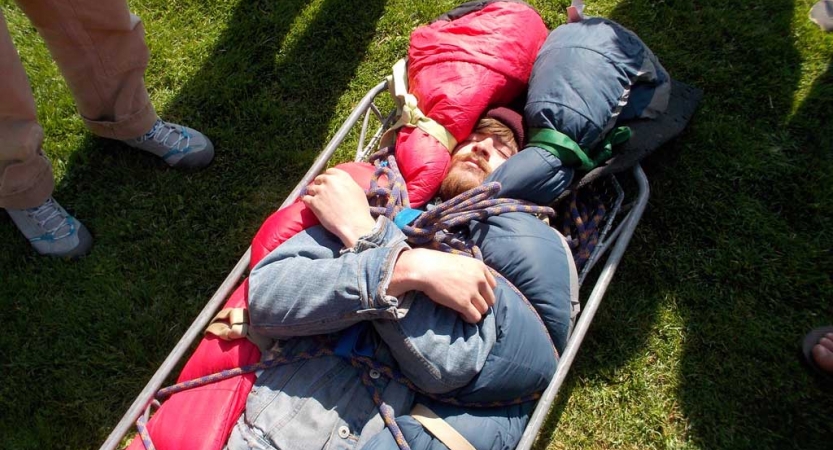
<point x="569" y="152"/>
<point x="618" y="135"/>
<point x="560" y="145"/>
<point x="409" y="113"/>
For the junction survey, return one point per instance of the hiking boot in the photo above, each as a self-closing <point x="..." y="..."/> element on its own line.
<point x="180" y="147"/>
<point x="51" y="230"/>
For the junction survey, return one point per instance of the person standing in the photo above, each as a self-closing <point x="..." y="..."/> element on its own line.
<point x="100" y="49"/>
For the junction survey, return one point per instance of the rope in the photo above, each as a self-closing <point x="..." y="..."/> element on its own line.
<point x="141" y="426"/>
<point x="385" y="410"/>
<point x="325" y="349"/>
<point x="580" y="221"/>
<point x="387" y="200"/>
<point x="432" y="229"/>
<point x="356" y="361"/>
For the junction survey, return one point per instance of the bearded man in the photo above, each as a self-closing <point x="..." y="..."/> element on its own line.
<point x="444" y="320"/>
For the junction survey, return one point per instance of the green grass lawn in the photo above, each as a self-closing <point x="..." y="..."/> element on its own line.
<point x="696" y="343"/>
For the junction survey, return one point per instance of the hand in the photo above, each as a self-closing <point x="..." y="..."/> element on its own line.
<point x="458" y="282"/>
<point x="340" y="205"/>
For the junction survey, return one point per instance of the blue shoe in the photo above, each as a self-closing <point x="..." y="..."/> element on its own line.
<point x="180" y="147"/>
<point x="51" y="230"/>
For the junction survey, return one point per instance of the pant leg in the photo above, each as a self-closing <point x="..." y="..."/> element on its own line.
<point x="100" y="48"/>
<point x="25" y="173"/>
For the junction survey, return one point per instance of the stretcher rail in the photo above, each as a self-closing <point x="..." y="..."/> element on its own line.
<point x="622" y="237"/>
<point x="617" y="240"/>
<point x="195" y="331"/>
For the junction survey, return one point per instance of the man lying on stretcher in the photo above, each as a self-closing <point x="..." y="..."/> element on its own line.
<point x="443" y="320"/>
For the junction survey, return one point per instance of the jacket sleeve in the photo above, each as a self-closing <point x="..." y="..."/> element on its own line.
<point x="310" y="285"/>
<point x="435" y="348"/>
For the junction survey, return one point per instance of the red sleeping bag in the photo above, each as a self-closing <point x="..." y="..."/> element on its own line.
<point x="472" y="58"/>
<point x="201" y="418"/>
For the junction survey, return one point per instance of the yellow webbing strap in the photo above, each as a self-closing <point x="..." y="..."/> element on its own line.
<point x="440" y="428"/>
<point x="409" y="113"/>
<point x="233" y="323"/>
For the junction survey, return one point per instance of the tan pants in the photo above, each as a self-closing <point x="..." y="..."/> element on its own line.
<point x="100" y="49"/>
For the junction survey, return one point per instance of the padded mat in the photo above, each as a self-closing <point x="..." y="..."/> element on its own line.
<point x="650" y="134"/>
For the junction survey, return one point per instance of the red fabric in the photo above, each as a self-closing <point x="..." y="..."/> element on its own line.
<point x="207" y="411"/>
<point x="457" y="69"/>
<point x="280" y="226"/>
<point x="285" y="223"/>
<point x="214" y="354"/>
<point x="200" y="418"/>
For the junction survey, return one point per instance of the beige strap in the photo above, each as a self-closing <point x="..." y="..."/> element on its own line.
<point x="229" y="324"/>
<point x="440" y="428"/>
<point x="233" y="323"/>
<point x="409" y="113"/>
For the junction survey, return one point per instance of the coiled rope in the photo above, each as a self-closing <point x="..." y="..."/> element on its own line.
<point x="580" y="221"/>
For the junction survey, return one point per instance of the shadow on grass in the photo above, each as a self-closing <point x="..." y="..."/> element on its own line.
<point x="557" y="409"/>
<point x="164" y="240"/>
<point x="734" y="244"/>
<point x="755" y="278"/>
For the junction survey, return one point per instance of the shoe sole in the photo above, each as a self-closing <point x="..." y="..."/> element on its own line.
<point x="196" y="160"/>
<point x="85" y="243"/>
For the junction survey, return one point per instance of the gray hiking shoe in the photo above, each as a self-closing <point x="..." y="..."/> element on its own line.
<point x="51" y="230"/>
<point x="180" y="147"/>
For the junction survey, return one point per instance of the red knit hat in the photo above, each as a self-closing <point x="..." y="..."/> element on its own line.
<point x="512" y="120"/>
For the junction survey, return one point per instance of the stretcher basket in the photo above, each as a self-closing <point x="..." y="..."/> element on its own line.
<point x="614" y="236"/>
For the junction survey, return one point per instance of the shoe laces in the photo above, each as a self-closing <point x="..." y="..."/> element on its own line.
<point x="162" y="131"/>
<point x="51" y="218"/>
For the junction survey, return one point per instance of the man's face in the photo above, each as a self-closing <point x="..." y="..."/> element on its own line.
<point x="472" y="160"/>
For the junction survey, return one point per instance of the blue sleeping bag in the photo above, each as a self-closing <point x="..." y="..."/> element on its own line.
<point x="538" y="263"/>
<point x="588" y="77"/>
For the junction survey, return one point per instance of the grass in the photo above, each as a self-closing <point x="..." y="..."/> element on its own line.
<point x="695" y="345"/>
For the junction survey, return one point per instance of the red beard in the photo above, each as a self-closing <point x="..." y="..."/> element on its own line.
<point x="462" y="176"/>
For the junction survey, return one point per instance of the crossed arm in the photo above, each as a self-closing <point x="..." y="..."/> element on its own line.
<point x="457" y="282"/>
<point x="428" y="306"/>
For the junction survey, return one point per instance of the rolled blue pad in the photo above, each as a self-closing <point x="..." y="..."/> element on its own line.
<point x="534" y="175"/>
<point x="589" y="75"/>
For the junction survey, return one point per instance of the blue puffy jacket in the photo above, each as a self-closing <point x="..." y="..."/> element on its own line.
<point x="588" y="76"/>
<point x="538" y="262"/>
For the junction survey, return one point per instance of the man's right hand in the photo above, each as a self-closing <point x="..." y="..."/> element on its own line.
<point x="458" y="282"/>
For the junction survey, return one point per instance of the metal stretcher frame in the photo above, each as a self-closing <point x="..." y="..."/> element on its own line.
<point x="615" y="242"/>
